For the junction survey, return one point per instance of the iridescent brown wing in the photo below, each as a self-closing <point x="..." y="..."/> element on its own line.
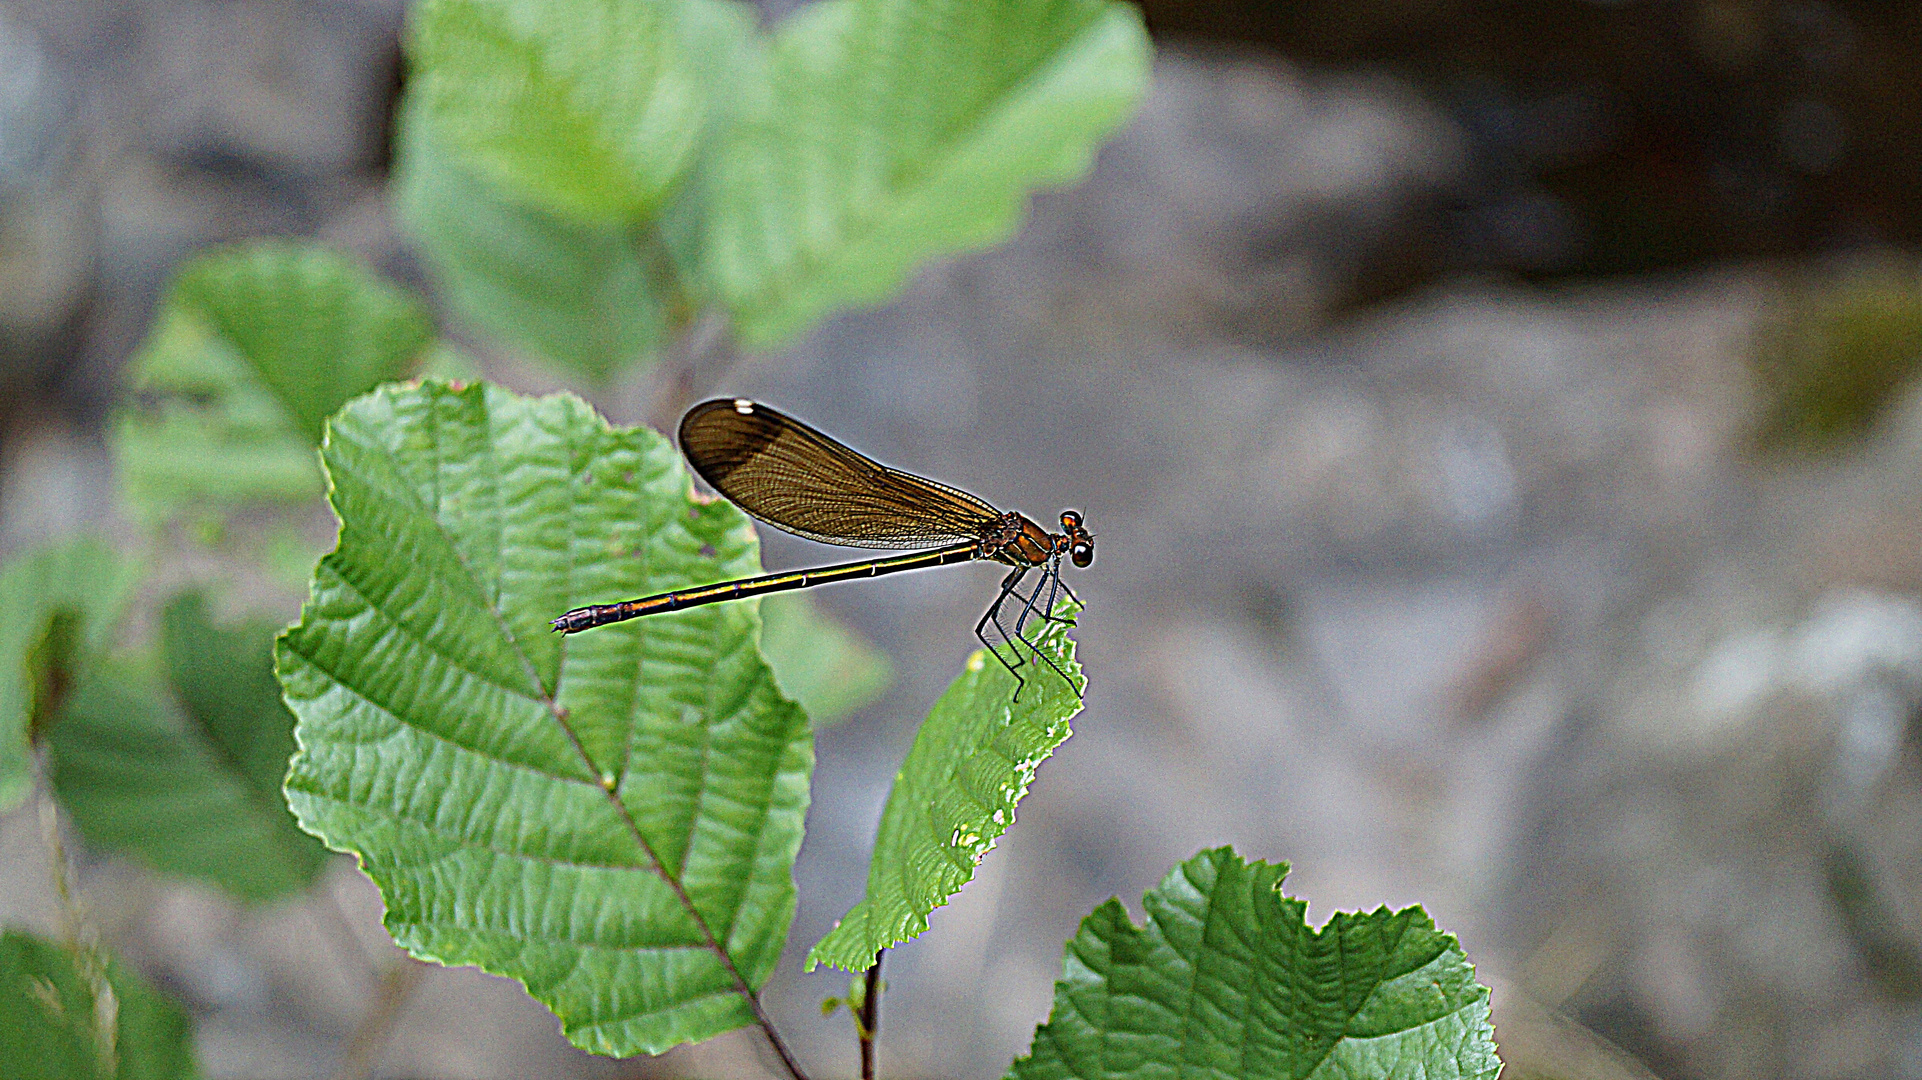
<point x="795" y="478"/>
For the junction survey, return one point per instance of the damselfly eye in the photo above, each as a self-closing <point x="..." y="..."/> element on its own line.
<point x="1070" y="520"/>
<point x="1082" y="553"/>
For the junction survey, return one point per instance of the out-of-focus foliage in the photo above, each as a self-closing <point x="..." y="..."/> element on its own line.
<point x="611" y="817"/>
<point x="971" y="763"/>
<point x="1889" y="953"/>
<point x="827" y="669"/>
<point x="585" y="180"/>
<point x="589" y="296"/>
<point x="851" y="162"/>
<point x="58" y="607"/>
<point x="591" y="108"/>
<point x="80" y="1015"/>
<point x="184" y="771"/>
<point x="253" y="347"/>
<point x="1227" y="979"/>
<point x="1839" y="355"/>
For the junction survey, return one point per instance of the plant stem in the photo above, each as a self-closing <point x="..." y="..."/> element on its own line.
<point x="869" y="1024"/>
<point x="701" y="355"/>
<point x="334" y="923"/>
<point x="81" y="941"/>
<point x="376" y="1025"/>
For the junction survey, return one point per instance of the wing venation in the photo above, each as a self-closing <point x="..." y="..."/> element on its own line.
<point x="795" y="478"/>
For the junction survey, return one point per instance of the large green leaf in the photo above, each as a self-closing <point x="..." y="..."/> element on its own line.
<point x="591" y="108"/>
<point x="254" y="346"/>
<point x="971" y="763"/>
<point x="58" y="605"/>
<point x="878" y="134"/>
<point x="609" y="817"/>
<point x="1226" y="980"/>
<point x="187" y="777"/>
<point x="53" y="1025"/>
<point x="590" y="298"/>
<point x="827" y="669"/>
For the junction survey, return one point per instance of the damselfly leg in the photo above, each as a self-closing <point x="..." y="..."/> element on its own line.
<point x="1050" y="580"/>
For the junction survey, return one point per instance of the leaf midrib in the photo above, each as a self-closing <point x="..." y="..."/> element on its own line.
<point x="268" y="802"/>
<point x="1388" y="952"/>
<point x="387" y="707"/>
<point x="462" y="842"/>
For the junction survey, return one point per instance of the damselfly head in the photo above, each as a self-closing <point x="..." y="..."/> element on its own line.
<point x="1080" y="541"/>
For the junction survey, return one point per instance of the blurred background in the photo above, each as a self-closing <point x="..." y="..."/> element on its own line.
<point x="1497" y="419"/>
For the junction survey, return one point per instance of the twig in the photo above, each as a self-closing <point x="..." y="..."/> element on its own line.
<point x="868" y="1024"/>
<point x="333" y="922"/>
<point x="376" y="1025"/>
<point x="700" y="356"/>
<point x="81" y="941"/>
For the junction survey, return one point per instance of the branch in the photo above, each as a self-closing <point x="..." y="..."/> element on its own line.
<point x="376" y="1025"/>
<point x="868" y="1023"/>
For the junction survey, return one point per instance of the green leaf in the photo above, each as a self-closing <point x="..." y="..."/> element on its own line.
<point x="827" y="669"/>
<point x="225" y="677"/>
<point x="253" y="347"/>
<point x="971" y="763"/>
<point x="58" y="605"/>
<point x="609" y="817"/>
<point x="589" y="298"/>
<point x="590" y="108"/>
<point x="188" y="778"/>
<point x="1227" y="980"/>
<point x="878" y="134"/>
<point x="446" y="362"/>
<point x="55" y="1024"/>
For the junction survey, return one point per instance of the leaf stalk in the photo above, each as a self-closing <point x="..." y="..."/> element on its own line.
<point x="868" y="1023"/>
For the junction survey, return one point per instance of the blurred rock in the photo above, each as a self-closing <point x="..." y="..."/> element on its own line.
<point x="293" y="88"/>
<point x="1611" y="138"/>
<point x="137" y="131"/>
<point x="1243" y="201"/>
<point x="47" y="218"/>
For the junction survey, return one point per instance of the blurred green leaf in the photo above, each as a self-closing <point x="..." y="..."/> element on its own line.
<point x="253" y="347"/>
<point x="971" y="763"/>
<point x="58" y="606"/>
<point x="1227" y="980"/>
<point x="445" y="362"/>
<point x="585" y="177"/>
<point x="1839" y="356"/>
<point x="589" y="108"/>
<point x="827" y="669"/>
<point x="579" y="813"/>
<point x="877" y="134"/>
<point x="187" y="777"/>
<point x="225" y="677"/>
<point x="589" y="298"/>
<point x="53" y="1025"/>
